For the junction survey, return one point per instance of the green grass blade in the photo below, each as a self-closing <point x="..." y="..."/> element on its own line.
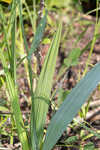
<point x="10" y="74"/>
<point x="13" y="50"/>
<point x="34" y="15"/>
<point x="15" y="104"/>
<point x="38" y="35"/>
<point x="32" y="127"/>
<point x="3" y="20"/>
<point x="29" y="14"/>
<point x="42" y="93"/>
<point x="22" y="25"/>
<point x="35" y="44"/>
<point x="71" y="106"/>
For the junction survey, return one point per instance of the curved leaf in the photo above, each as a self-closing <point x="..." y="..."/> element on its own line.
<point x="71" y="106"/>
<point x="44" y="85"/>
<point x="38" y="36"/>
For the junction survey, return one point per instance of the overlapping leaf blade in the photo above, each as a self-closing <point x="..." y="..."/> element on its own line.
<point x="71" y="106"/>
<point x="38" y="35"/>
<point x="42" y="93"/>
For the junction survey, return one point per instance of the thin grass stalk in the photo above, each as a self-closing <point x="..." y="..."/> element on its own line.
<point x="29" y="13"/>
<point x="34" y="15"/>
<point x="13" y="52"/>
<point x="93" y="41"/>
<point x="3" y="19"/>
<point x="23" y="55"/>
<point x="35" y="44"/>
<point x="26" y="46"/>
<point x="15" y="105"/>
<point x="12" y="18"/>
<point x="10" y="81"/>
<point x="33" y="137"/>
<point x="34" y="29"/>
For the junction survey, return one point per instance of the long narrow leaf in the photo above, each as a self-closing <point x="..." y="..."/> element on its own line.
<point x="10" y="74"/>
<point x="42" y="93"/>
<point x="35" y="44"/>
<point x="13" y="39"/>
<point x="38" y="36"/>
<point x="15" y="104"/>
<point x="71" y="106"/>
<point x="22" y="25"/>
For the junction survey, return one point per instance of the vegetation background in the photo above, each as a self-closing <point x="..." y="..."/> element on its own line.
<point x="49" y="67"/>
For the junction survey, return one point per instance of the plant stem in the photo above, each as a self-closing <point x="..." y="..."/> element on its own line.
<point x="15" y="105"/>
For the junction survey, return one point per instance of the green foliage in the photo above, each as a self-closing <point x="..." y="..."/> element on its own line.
<point x="38" y="36"/>
<point x="62" y="94"/>
<point x="63" y="3"/>
<point x="89" y="146"/>
<point x="43" y="90"/>
<point x="10" y="74"/>
<point x="74" y="101"/>
<point x="71" y="140"/>
<point x="73" y="57"/>
<point x="3" y="105"/>
<point x="69" y="102"/>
